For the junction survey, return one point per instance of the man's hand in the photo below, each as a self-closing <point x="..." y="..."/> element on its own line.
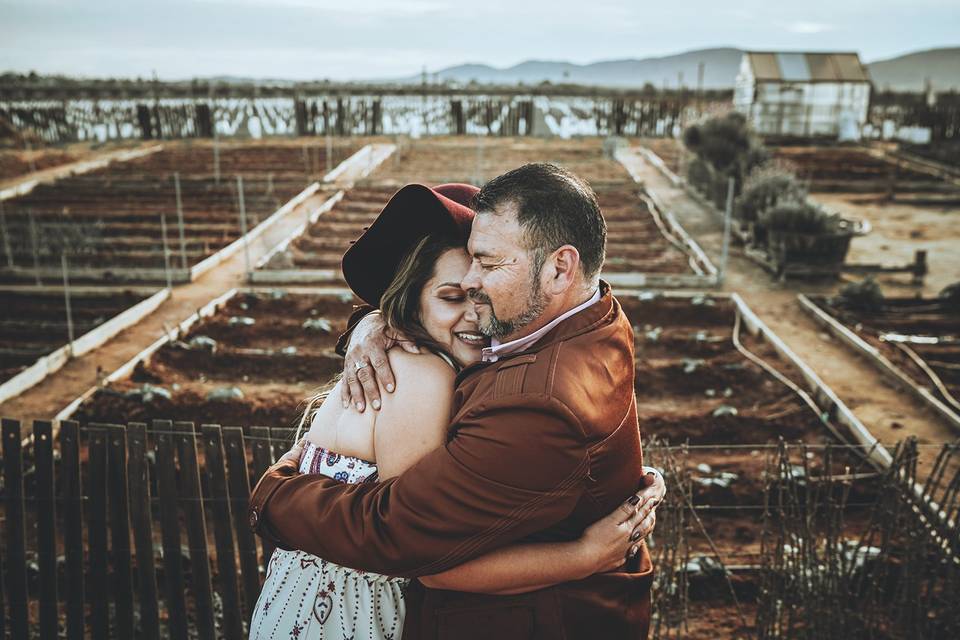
<point x="366" y="367"/>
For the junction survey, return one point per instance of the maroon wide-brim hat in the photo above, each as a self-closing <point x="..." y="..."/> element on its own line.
<point x="414" y="212"/>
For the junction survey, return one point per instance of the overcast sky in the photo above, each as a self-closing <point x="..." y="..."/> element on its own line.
<point x="347" y="39"/>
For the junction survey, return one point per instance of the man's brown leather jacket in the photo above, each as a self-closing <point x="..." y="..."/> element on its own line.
<point x="542" y="444"/>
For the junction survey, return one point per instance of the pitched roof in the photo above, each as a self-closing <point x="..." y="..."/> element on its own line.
<point x="807" y="67"/>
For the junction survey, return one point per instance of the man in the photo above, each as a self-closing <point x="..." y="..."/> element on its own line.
<point x="543" y="439"/>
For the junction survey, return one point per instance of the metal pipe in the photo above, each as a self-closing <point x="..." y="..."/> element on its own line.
<point x="166" y="251"/>
<point x="35" y="246"/>
<point x="183" y="239"/>
<point x="243" y="227"/>
<point x="66" y="298"/>
<point x="727" y="217"/>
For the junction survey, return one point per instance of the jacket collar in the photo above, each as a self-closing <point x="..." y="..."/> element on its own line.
<point x="575" y="325"/>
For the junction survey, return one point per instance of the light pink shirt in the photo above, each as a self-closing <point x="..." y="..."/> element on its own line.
<point x="496" y="350"/>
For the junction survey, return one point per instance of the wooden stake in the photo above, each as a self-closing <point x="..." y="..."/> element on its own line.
<point x="183" y="239"/>
<point x="66" y="298"/>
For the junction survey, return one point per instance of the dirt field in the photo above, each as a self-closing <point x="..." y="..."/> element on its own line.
<point x="635" y="243"/>
<point x="693" y="386"/>
<point x="899" y="230"/>
<point x="35" y="324"/>
<point x="110" y="220"/>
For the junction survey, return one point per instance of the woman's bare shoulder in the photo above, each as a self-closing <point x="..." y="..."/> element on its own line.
<point x="423" y="368"/>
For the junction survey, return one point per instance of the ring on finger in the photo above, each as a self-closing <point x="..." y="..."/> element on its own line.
<point x="636" y="535"/>
<point x="360" y="365"/>
<point x="634" y="549"/>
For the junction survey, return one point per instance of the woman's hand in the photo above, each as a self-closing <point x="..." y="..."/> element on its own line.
<point x="366" y="367"/>
<point x="295" y="453"/>
<point x="606" y="544"/>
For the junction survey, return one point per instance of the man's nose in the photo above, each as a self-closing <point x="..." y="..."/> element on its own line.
<point x="471" y="280"/>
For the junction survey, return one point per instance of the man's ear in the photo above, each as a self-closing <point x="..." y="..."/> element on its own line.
<point x="563" y="265"/>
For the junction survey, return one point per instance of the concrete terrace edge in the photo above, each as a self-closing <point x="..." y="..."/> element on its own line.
<point x="825" y="397"/>
<point x="53" y="362"/>
<point x="212" y="261"/>
<point x="314" y="215"/>
<point x="125" y="369"/>
<point x="363" y="162"/>
<point x="881" y="363"/>
<point x="77" y="169"/>
<point x="710" y="277"/>
<point x="657" y="162"/>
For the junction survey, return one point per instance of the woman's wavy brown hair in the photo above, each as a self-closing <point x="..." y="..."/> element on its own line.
<point x="400" y="305"/>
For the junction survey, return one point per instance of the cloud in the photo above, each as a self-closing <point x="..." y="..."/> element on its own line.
<point x="809" y="27"/>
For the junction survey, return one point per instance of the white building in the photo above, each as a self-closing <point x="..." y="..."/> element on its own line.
<point x="803" y="94"/>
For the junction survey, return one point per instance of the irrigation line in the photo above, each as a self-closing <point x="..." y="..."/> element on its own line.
<point x="784" y="380"/>
<point x="666" y="233"/>
<point x="917" y="360"/>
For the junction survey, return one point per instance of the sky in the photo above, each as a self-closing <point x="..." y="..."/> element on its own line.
<point x="380" y="39"/>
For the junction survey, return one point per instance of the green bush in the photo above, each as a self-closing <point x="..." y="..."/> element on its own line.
<point x="797" y="216"/>
<point x="765" y="187"/>
<point x="725" y="147"/>
<point x="865" y="295"/>
<point x="950" y="295"/>
<point x="700" y="175"/>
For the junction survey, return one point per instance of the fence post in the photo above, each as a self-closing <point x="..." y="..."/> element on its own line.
<point x="329" y="153"/>
<point x="120" y="529"/>
<point x="170" y="529"/>
<point x="15" y="529"/>
<point x="183" y="239"/>
<point x="66" y="299"/>
<point x="192" y="503"/>
<point x="727" y="218"/>
<point x="138" y="482"/>
<point x="222" y="530"/>
<point x="216" y="155"/>
<point x="239" y="476"/>
<point x="97" y="531"/>
<point x="243" y="226"/>
<point x="35" y="246"/>
<point x="166" y="251"/>
<point x="262" y="458"/>
<point x="46" y="528"/>
<point x="6" y="236"/>
<point x="72" y="526"/>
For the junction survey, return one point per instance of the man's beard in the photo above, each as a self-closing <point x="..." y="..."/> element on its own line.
<point x="495" y="327"/>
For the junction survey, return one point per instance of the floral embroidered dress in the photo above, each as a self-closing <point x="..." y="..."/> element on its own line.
<point x="308" y="597"/>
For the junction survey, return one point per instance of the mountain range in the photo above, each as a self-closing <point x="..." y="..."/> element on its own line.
<point x="905" y="73"/>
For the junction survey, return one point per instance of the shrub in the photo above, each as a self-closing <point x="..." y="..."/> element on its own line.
<point x="865" y="295"/>
<point x="951" y="295"/>
<point x="700" y="174"/>
<point x="798" y="217"/>
<point x="765" y="187"/>
<point x="725" y="146"/>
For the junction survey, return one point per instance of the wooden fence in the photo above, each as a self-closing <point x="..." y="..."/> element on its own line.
<point x="131" y="531"/>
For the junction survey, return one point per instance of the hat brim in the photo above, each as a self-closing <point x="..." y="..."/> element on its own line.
<point x="414" y="212"/>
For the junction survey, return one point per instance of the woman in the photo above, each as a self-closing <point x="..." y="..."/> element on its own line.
<point x="410" y="263"/>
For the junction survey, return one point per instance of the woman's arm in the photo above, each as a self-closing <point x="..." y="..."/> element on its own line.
<point x="604" y="546"/>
